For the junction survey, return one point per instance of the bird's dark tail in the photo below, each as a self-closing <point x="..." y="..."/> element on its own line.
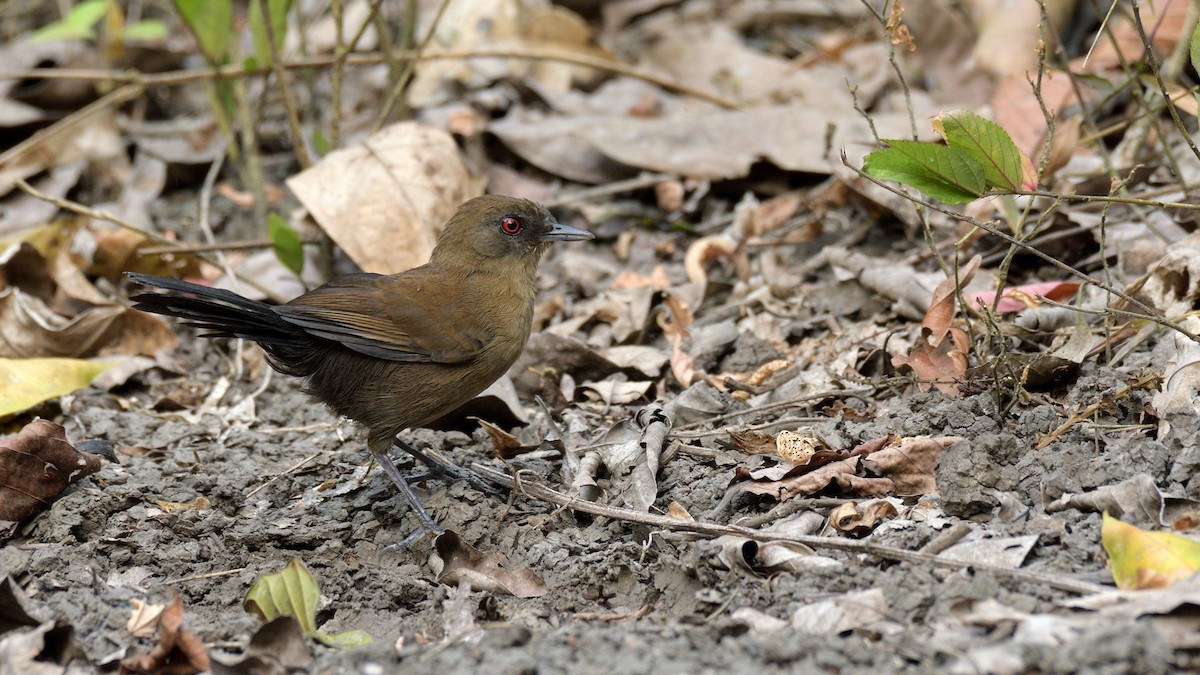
<point x="221" y="313"/>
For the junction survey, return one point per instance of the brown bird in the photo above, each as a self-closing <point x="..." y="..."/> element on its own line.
<point x="397" y="351"/>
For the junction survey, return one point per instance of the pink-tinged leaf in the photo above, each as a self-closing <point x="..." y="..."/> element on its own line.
<point x="1029" y="295"/>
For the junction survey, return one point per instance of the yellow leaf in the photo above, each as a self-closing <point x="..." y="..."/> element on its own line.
<point x="25" y="383"/>
<point x="1142" y="559"/>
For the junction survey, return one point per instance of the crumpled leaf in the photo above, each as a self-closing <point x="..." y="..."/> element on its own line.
<point x="293" y="592"/>
<point x="841" y="613"/>
<point x="773" y="557"/>
<point x="457" y="562"/>
<point x="28" y="382"/>
<point x="859" y="520"/>
<point x="901" y="468"/>
<point x="36" y="466"/>
<point x="401" y="184"/>
<point x="1136" y="497"/>
<point x="179" y="650"/>
<point x="1143" y="559"/>
<point x="630" y="450"/>
<point x="278" y="646"/>
<point x="934" y="359"/>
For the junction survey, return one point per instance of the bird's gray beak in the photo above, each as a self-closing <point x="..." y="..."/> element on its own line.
<point x="560" y="232"/>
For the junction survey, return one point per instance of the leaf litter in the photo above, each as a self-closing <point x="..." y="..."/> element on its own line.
<point x="726" y="355"/>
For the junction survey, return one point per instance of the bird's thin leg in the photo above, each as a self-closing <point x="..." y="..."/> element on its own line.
<point x="427" y="523"/>
<point x="445" y="470"/>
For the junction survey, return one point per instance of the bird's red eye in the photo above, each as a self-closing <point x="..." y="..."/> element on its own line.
<point x="511" y="225"/>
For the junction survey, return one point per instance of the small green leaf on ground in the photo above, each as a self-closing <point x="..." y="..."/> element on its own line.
<point x="1004" y="165"/>
<point x="1143" y="559"/>
<point x="294" y="592"/>
<point x="286" y="243"/>
<point x="25" y="383"/>
<point x="944" y="173"/>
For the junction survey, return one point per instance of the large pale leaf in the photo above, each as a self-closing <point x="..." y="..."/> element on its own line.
<point x="25" y="383"/>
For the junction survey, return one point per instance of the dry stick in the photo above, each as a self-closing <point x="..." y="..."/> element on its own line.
<point x="76" y="207"/>
<point x="186" y="248"/>
<point x="339" y="66"/>
<point x="289" y="100"/>
<point x="178" y="77"/>
<point x="776" y="406"/>
<point x="410" y="69"/>
<point x="1162" y="86"/>
<point x="540" y="492"/>
<point x="616" y="187"/>
<point x="111" y="99"/>
<point x="1150" y="314"/>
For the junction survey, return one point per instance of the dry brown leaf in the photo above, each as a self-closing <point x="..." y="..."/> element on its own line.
<point x="456" y="562"/>
<point x="903" y="469"/>
<point x="36" y="466"/>
<point x="942" y="308"/>
<point x="198" y="504"/>
<point x="179" y="651"/>
<point x="384" y="200"/>
<point x="859" y="520"/>
<point x="679" y="512"/>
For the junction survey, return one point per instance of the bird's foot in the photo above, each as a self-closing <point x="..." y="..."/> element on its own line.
<point x="427" y="522"/>
<point x="447" y="472"/>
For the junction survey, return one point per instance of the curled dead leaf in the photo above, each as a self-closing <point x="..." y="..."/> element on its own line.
<point x="704" y="251"/>
<point x="457" y="562"/>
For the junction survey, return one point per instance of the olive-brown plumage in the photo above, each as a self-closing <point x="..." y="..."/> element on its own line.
<point x="402" y="350"/>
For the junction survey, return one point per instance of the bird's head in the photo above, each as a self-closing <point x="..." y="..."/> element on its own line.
<point x="495" y="227"/>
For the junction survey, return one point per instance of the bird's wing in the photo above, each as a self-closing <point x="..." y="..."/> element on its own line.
<point x="397" y="318"/>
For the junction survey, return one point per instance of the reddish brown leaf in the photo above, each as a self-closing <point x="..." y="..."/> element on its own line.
<point x="36" y="466"/>
<point x="941" y="308"/>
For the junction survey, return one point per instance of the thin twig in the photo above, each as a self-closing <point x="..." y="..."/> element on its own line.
<point x="76" y="207"/>
<point x="540" y="492"/>
<point x="179" y="77"/>
<point x="1150" y="313"/>
<point x="289" y="100"/>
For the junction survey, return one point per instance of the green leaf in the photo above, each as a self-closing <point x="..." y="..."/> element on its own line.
<point x="293" y="592"/>
<point x="944" y="173"/>
<point x="79" y="24"/>
<point x="1004" y="165"/>
<point x="278" y="9"/>
<point x="211" y="21"/>
<point x="148" y="29"/>
<point x="1194" y="48"/>
<point x="347" y="640"/>
<point x="290" y="592"/>
<point x="320" y="143"/>
<point x="286" y="243"/>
